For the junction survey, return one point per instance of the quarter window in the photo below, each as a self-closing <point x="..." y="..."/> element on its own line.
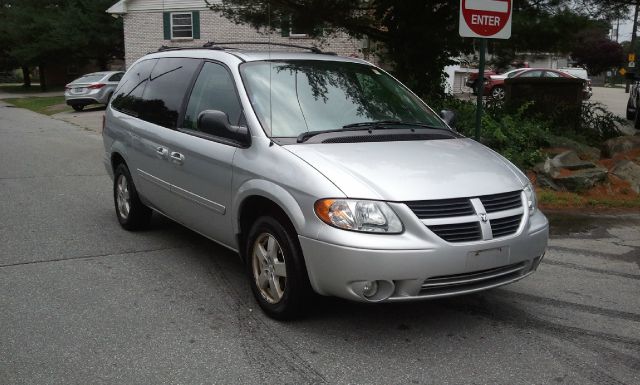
<point x="214" y="90"/>
<point x="128" y="96"/>
<point x="182" y="25"/>
<point x="116" y="77"/>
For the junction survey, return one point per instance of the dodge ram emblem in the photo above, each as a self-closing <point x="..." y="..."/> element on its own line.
<point x="483" y="218"/>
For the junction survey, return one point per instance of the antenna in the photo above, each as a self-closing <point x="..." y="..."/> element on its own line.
<point x="269" y="32"/>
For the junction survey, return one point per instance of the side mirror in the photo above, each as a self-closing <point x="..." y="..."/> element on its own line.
<point x="449" y="117"/>
<point x="216" y="123"/>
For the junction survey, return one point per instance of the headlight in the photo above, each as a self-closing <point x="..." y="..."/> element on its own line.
<point x="532" y="203"/>
<point x="358" y="215"/>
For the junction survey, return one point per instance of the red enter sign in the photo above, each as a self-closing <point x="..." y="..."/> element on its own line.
<point x="485" y="18"/>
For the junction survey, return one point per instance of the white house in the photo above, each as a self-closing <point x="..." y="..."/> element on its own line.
<point x="150" y="24"/>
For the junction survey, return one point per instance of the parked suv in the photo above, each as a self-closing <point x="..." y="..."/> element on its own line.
<point x="323" y="172"/>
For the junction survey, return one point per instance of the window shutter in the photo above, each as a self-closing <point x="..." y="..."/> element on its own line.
<point x="166" y="23"/>
<point x="285" y="26"/>
<point x="196" y="24"/>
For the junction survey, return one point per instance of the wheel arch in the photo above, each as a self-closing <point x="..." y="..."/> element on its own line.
<point x="259" y="197"/>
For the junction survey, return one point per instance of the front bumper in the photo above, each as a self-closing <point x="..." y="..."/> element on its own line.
<point x="442" y="269"/>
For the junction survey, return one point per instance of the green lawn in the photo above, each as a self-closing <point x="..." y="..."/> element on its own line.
<point x="15" y="88"/>
<point x="43" y="105"/>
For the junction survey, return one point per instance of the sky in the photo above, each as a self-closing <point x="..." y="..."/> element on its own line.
<point x="625" y="28"/>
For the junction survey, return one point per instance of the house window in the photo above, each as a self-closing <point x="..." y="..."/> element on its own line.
<point x="298" y="28"/>
<point x="295" y="27"/>
<point x="182" y="25"/>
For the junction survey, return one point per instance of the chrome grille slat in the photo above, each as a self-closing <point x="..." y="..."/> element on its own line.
<point x="501" y="202"/>
<point x="461" y="232"/>
<point x="481" y="277"/>
<point x="441" y="208"/>
<point x="505" y="226"/>
<point x="461" y="279"/>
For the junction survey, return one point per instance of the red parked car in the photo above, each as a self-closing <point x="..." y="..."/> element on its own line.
<point x="494" y="87"/>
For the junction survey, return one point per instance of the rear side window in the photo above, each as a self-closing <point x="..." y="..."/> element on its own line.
<point x="214" y="90"/>
<point x="128" y="96"/>
<point x="166" y="90"/>
<point x="116" y="77"/>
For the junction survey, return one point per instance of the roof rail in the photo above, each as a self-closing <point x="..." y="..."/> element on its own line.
<point x="217" y="45"/>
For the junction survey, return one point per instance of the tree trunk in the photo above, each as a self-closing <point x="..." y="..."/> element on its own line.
<point x="43" y="78"/>
<point x="26" y="77"/>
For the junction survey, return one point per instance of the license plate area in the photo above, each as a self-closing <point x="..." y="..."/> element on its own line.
<point x="488" y="258"/>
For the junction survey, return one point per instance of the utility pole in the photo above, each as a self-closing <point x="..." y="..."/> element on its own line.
<point x="632" y="46"/>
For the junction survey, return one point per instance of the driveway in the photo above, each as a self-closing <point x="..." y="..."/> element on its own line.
<point x="85" y="302"/>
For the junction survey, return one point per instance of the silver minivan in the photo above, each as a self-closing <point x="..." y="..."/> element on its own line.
<point x="323" y="172"/>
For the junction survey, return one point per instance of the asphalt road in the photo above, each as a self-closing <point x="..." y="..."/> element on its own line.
<point x="84" y="302"/>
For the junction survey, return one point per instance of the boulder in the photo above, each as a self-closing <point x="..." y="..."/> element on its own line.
<point x="628" y="171"/>
<point x="580" y="180"/>
<point x="571" y="161"/>
<point x="614" y="146"/>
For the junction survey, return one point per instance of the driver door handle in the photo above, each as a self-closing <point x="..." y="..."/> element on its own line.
<point x="162" y="152"/>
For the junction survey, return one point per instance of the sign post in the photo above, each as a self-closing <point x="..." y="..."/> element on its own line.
<point x="484" y="19"/>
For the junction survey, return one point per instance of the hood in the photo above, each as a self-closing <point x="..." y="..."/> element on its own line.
<point x="412" y="170"/>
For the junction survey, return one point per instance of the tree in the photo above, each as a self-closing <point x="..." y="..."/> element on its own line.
<point x="419" y="38"/>
<point x="42" y="32"/>
<point x="597" y="52"/>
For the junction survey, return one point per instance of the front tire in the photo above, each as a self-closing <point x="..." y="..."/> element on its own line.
<point x="78" y="107"/>
<point x="497" y="93"/>
<point x="276" y="269"/>
<point x="131" y="212"/>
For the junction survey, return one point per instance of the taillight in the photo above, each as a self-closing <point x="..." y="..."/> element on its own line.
<point x="67" y="87"/>
<point x="96" y="86"/>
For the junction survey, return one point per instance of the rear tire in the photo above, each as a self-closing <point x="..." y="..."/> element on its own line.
<point x="276" y="269"/>
<point x="631" y="114"/>
<point x="131" y="212"/>
<point x="77" y="107"/>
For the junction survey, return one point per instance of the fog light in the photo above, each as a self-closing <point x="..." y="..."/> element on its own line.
<point x="370" y="288"/>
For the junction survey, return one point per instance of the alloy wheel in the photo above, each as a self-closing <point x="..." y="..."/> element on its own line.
<point x="269" y="268"/>
<point x="123" y="198"/>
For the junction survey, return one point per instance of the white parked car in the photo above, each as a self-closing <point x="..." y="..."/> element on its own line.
<point x="93" y="88"/>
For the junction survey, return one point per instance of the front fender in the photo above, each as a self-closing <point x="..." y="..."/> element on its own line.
<point x="272" y="191"/>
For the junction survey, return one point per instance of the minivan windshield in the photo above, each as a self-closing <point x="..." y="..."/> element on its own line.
<point x="298" y="96"/>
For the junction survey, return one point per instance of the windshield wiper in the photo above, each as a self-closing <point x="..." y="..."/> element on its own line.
<point x="367" y="126"/>
<point x="306" y="135"/>
<point x="376" y="123"/>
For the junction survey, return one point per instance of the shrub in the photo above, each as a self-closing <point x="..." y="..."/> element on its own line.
<point x="514" y="135"/>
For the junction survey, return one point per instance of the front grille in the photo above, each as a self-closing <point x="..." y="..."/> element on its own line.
<point x="458" y="232"/>
<point x="502" y="227"/>
<point x="501" y="202"/>
<point x="443" y="208"/>
<point x="432" y="211"/>
<point x="471" y="280"/>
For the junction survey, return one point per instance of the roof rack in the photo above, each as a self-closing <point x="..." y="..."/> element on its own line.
<point x="220" y="46"/>
<point x="217" y="45"/>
